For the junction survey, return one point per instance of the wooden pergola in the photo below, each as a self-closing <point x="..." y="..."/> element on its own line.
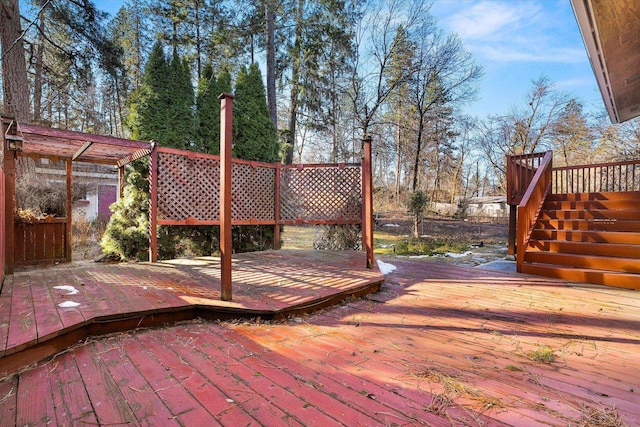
<point x="189" y="188"/>
<point x="27" y="140"/>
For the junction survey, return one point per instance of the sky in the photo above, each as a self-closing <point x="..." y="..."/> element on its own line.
<point x="515" y="41"/>
<point x="518" y="41"/>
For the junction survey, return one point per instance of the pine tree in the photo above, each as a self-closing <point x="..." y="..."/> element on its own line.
<point x="254" y="136"/>
<point x="208" y="109"/>
<point x="162" y="108"/>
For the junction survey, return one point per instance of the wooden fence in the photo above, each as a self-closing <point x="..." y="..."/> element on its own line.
<point x="41" y="241"/>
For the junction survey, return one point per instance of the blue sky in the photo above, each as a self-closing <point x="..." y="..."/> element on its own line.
<point x="515" y="41"/>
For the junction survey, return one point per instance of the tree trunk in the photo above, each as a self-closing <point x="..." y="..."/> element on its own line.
<point x="196" y="5"/>
<point x="270" y="16"/>
<point x="37" y="78"/>
<point x="295" y="84"/>
<point x="14" y="70"/>
<point x="416" y="163"/>
<point x="398" y="155"/>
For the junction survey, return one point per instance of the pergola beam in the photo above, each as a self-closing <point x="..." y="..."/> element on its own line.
<point x="81" y="151"/>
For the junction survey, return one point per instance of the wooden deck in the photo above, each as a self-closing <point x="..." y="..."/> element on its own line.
<point x="34" y="322"/>
<point x="440" y="345"/>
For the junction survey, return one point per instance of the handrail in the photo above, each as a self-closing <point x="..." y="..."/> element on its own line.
<point x="520" y="171"/>
<point x="530" y="206"/>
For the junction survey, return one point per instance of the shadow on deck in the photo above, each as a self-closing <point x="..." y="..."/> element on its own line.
<point x="45" y="311"/>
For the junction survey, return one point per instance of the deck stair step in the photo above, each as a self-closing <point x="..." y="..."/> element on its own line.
<point x="589" y="225"/>
<point x="587" y="248"/>
<point x="589" y="275"/>
<point x="588" y="237"/>
<point x="601" y="214"/>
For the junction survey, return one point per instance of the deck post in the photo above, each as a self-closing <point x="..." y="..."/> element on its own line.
<point x="226" y="142"/>
<point x="511" y="247"/>
<point x="121" y="182"/>
<point x="153" y="209"/>
<point x="367" y="201"/>
<point x="276" y="204"/>
<point x="9" y="165"/>
<point x="69" y="211"/>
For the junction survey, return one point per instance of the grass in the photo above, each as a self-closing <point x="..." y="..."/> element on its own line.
<point x="543" y="354"/>
<point x="384" y="242"/>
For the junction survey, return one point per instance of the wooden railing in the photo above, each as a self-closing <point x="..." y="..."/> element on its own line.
<point x="3" y="234"/>
<point x="41" y="241"/>
<point x="619" y="176"/>
<point x="520" y="172"/>
<point x="531" y="204"/>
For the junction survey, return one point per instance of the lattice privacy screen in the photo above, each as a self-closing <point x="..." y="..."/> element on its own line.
<point x="189" y="189"/>
<point x="321" y="194"/>
<point x="252" y="193"/>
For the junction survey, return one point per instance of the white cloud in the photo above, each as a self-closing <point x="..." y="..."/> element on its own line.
<point x="490" y="19"/>
<point x="515" y="31"/>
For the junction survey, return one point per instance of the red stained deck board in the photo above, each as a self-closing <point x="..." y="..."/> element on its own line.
<point x="215" y="364"/>
<point x="22" y="326"/>
<point x="47" y="319"/>
<point x="108" y="403"/>
<point x="171" y="351"/>
<point x="5" y="312"/>
<point x="133" y="390"/>
<point x="72" y="403"/>
<point x="352" y="406"/>
<point x="166" y="381"/>
<point x="32" y="410"/>
<point x="392" y="395"/>
<point x="8" y="401"/>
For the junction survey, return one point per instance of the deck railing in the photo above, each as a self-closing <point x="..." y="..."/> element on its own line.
<point x="596" y="178"/>
<point x="520" y="172"/>
<point x="2" y="229"/>
<point x="531" y="204"/>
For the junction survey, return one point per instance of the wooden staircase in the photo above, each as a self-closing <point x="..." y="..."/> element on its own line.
<point x="587" y="237"/>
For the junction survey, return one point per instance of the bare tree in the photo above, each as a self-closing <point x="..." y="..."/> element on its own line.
<point x="523" y="130"/>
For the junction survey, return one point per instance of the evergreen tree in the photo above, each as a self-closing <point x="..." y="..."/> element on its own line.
<point x="254" y="136"/>
<point x="208" y="109"/>
<point x="162" y="108"/>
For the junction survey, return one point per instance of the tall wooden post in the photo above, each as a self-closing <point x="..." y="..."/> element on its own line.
<point x="511" y="247"/>
<point x="367" y="201"/>
<point x="226" y="143"/>
<point x="276" y="204"/>
<point x="9" y="161"/>
<point x="69" y="211"/>
<point x="153" y="211"/>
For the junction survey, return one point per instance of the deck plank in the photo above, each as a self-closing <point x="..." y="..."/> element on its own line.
<point x="29" y="409"/>
<point x="5" y="312"/>
<point x="152" y="359"/>
<point x="438" y="344"/>
<point x="22" y="324"/>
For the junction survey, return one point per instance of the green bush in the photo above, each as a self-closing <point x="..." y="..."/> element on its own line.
<point x="127" y="234"/>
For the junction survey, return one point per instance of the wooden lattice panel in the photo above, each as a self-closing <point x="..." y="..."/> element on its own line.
<point x="188" y="187"/>
<point x="253" y="192"/>
<point x="321" y="194"/>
